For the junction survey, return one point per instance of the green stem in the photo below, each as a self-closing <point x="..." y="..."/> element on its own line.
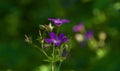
<point x="58" y="30"/>
<point x="59" y="65"/>
<point x="41" y="50"/>
<point x="53" y="52"/>
<point x="53" y="59"/>
<point x="53" y="67"/>
<point x="44" y="53"/>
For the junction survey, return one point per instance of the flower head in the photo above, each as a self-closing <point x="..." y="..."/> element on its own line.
<point x="78" y="28"/>
<point x="89" y="34"/>
<point x="56" y="40"/>
<point x="58" y="21"/>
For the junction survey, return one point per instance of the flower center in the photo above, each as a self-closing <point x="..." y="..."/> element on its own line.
<point x="58" y="21"/>
<point x="56" y="41"/>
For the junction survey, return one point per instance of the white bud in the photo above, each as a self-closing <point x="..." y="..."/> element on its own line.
<point x="50" y="26"/>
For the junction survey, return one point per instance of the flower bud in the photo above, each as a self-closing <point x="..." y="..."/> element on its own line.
<point x="49" y="27"/>
<point x="42" y="27"/>
<point x="28" y="39"/>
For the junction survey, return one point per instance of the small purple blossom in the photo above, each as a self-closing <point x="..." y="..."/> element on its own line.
<point x="56" y="40"/>
<point x="58" y="21"/>
<point x="78" y="28"/>
<point x="89" y="34"/>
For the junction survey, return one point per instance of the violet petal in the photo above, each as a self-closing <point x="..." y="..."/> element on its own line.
<point x="57" y="24"/>
<point x="57" y="44"/>
<point x="53" y="35"/>
<point x="61" y="36"/>
<point x="89" y="34"/>
<point x="51" y="19"/>
<point x="76" y="28"/>
<point x="64" y="39"/>
<point x="65" y="21"/>
<point x="48" y="40"/>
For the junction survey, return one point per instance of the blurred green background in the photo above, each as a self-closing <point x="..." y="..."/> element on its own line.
<point x="20" y="17"/>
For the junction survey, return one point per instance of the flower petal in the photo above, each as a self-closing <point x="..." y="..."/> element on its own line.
<point x="53" y="35"/>
<point x="64" y="40"/>
<point x="65" y="21"/>
<point x="48" y="40"/>
<point x="51" y="19"/>
<point x="57" y="44"/>
<point x="76" y="28"/>
<point x="58" y="21"/>
<point x="89" y="34"/>
<point x="57" y="24"/>
<point x="60" y="37"/>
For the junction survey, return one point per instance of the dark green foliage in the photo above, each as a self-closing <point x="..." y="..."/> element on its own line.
<point x="20" y="17"/>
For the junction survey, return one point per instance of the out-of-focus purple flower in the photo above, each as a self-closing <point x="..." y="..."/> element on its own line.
<point x="56" y="40"/>
<point x="89" y="34"/>
<point x="78" y="28"/>
<point x="58" y="21"/>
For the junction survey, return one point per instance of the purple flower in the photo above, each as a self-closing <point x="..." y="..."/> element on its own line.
<point x="89" y="34"/>
<point x="58" y="21"/>
<point x="56" y="40"/>
<point x="78" y="28"/>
